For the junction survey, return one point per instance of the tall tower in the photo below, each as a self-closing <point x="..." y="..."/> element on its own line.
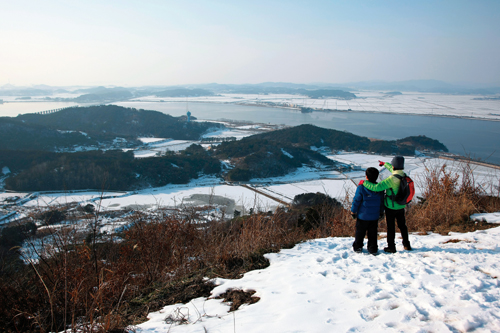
<point x="188" y="114"/>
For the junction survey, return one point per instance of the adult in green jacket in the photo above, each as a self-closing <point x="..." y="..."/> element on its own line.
<point x="394" y="212"/>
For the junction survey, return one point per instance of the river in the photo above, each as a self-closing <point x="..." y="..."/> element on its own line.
<point x="467" y="137"/>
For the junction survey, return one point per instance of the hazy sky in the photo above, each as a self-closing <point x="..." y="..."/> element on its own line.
<point x="162" y="42"/>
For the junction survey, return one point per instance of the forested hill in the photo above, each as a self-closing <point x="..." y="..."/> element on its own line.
<point x="99" y="123"/>
<point x="310" y="135"/>
<point x="16" y="135"/>
<point x="279" y="152"/>
<point x="112" y="120"/>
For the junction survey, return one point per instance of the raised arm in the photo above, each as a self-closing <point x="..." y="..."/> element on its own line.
<point x="389" y="167"/>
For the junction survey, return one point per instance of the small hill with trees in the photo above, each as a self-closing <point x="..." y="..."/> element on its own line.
<point x="327" y="93"/>
<point x="98" y="123"/>
<point x="105" y="121"/>
<point x="17" y="135"/>
<point x="280" y="152"/>
<point x="183" y="92"/>
<point x="423" y="143"/>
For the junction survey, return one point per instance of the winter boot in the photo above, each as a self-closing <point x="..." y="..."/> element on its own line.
<point x="390" y="249"/>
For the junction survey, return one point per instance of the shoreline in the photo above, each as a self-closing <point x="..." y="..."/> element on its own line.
<point x="373" y="112"/>
<point x="327" y="110"/>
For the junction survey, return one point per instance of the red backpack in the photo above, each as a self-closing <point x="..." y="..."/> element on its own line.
<point x="406" y="190"/>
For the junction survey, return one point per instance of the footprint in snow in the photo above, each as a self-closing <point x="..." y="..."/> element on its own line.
<point x="391" y="306"/>
<point x="383" y="295"/>
<point x="370" y="313"/>
<point x="352" y="293"/>
<point x="336" y="258"/>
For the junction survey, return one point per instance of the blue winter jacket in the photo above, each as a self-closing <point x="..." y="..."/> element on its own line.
<point x="367" y="204"/>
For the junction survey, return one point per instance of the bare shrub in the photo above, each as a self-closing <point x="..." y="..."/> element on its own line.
<point x="448" y="200"/>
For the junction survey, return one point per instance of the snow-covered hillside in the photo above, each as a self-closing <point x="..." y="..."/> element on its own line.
<point x="447" y="284"/>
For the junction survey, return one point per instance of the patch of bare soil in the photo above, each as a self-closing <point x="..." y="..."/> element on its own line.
<point x="238" y="297"/>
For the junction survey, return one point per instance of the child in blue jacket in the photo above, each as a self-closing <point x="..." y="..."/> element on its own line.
<point x="367" y="207"/>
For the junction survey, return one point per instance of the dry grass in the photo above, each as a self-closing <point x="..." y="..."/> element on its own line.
<point x="238" y="297"/>
<point x="448" y="201"/>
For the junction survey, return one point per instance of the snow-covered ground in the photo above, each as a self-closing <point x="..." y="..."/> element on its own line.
<point x="181" y="196"/>
<point x="157" y="146"/>
<point x="161" y="146"/>
<point x="447" y="284"/>
<point x="489" y="217"/>
<point x="238" y="132"/>
<point x="367" y="101"/>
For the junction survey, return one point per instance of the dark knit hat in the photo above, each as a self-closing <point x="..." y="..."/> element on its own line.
<point x="398" y="162"/>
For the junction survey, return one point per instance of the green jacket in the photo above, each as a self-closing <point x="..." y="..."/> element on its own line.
<point x="388" y="184"/>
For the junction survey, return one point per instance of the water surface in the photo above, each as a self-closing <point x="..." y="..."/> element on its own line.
<point x="469" y="137"/>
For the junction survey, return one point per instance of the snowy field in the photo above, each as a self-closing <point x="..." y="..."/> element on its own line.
<point x="238" y="131"/>
<point x="158" y="146"/>
<point x="447" y="284"/>
<point x="367" y="101"/>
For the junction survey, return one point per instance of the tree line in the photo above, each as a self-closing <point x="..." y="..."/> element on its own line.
<point x="106" y="170"/>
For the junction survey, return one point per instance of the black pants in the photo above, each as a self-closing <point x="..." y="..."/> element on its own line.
<point x="398" y="215"/>
<point x="366" y="227"/>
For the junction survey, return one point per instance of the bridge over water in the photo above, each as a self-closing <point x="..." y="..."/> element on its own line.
<point x="54" y="110"/>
